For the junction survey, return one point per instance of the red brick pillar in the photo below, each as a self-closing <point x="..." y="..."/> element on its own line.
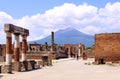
<point x="8" y="48"/>
<point x="24" y="47"/>
<point x="16" y="48"/>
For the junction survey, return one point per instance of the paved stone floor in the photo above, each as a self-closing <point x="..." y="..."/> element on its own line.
<point x="68" y="69"/>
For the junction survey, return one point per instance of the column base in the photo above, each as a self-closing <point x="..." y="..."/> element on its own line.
<point x="24" y="65"/>
<point x="6" y="69"/>
<point x="16" y="66"/>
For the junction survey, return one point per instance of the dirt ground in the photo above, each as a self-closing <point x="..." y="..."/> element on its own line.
<point x="68" y="69"/>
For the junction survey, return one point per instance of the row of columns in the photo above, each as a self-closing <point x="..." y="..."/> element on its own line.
<point x="16" y="47"/>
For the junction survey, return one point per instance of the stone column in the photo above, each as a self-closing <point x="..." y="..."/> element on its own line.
<point x="69" y="52"/>
<point x="46" y="46"/>
<point x="79" y="50"/>
<point x="8" y="48"/>
<point x="83" y="48"/>
<point x="52" y="41"/>
<point x="16" y="48"/>
<point x="24" y="47"/>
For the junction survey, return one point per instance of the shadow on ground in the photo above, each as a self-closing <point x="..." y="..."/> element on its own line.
<point x="1" y="76"/>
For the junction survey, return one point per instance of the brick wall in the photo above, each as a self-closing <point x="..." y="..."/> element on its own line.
<point x="107" y="46"/>
<point x="34" y="56"/>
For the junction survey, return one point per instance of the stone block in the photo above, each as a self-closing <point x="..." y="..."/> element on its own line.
<point x="33" y="63"/>
<point x="24" y="65"/>
<point x="16" y="66"/>
<point x="38" y="64"/>
<point x="6" y="69"/>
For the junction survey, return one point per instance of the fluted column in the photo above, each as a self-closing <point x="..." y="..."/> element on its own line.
<point x="24" y="47"/>
<point x="16" y="48"/>
<point x="8" y="48"/>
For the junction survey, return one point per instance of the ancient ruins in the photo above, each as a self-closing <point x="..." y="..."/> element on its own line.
<point x="23" y="56"/>
<point x="107" y="46"/>
<point x="13" y="53"/>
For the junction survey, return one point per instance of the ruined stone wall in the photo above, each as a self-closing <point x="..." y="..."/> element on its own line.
<point x="107" y="46"/>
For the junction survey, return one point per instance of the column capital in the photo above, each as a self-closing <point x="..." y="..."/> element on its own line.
<point x="8" y="34"/>
<point x="24" y="37"/>
<point x="16" y="34"/>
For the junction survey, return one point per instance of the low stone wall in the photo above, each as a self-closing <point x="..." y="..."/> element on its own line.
<point x="25" y="65"/>
<point x="6" y="69"/>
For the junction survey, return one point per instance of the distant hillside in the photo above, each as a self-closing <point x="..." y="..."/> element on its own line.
<point x="69" y="36"/>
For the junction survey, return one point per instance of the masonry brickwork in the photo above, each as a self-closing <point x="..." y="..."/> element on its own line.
<point x="107" y="47"/>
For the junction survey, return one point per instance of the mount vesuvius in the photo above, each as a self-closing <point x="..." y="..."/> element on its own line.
<point x="68" y="36"/>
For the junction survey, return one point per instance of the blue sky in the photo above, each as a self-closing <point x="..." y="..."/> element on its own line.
<point x="43" y="16"/>
<point x="20" y="8"/>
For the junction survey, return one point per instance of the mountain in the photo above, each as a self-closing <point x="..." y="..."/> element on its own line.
<point x="69" y="36"/>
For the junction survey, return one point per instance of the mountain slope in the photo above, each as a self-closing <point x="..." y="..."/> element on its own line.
<point x="69" y="36"/>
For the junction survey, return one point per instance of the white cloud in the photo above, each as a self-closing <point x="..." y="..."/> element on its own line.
<point x="110" y="15"/>
<point x="87" y="18"/>
<point x="90" y="30"/>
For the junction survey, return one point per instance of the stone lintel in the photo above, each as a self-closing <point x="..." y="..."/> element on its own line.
<point x="15" y="29"/>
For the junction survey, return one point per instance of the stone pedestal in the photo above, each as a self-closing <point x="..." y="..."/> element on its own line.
<point x="24" y="65"/>
<point x="16" y="66"/>
<point x="44" y="60"/>
<point x="32" y="64"/>
<point x="38" y="64"/>
<point x="6" y="69"/>
<point x="49" y="62"/>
